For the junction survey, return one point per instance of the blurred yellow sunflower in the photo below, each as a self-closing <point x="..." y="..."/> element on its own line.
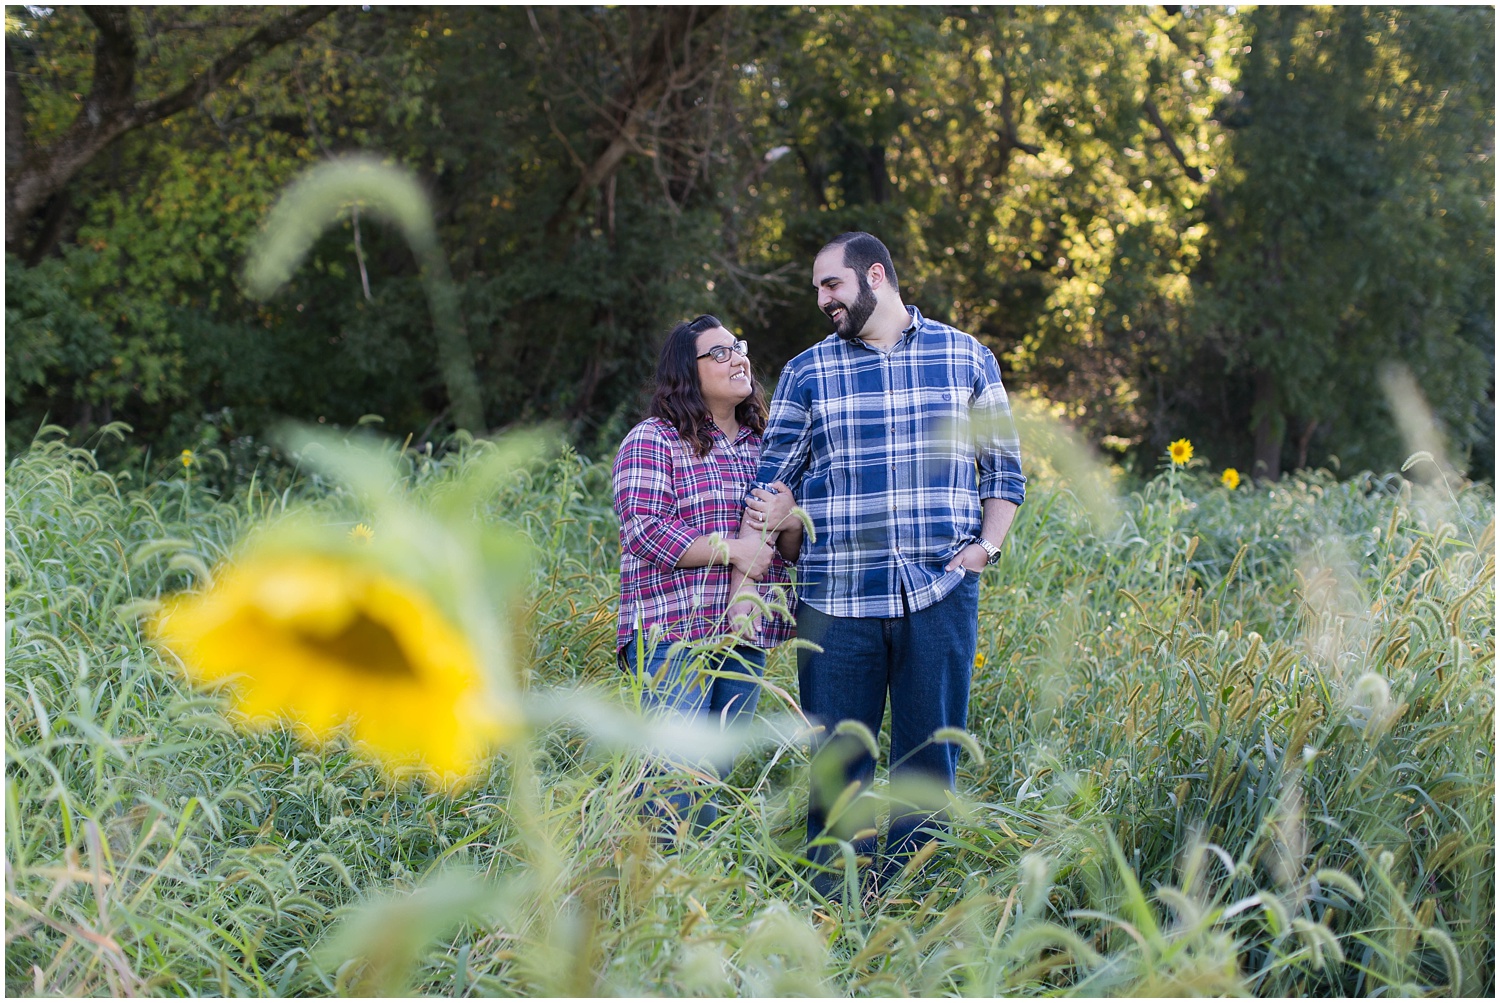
<point x="362" y="533"/>
<point x="979" y="660"/>
<point x="1181" y="451"/>
<point x="1230" y="478"/>
<point x="325" y="643"/>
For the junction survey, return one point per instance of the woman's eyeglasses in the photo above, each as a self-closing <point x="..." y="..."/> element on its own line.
<point x="720" y="353"/>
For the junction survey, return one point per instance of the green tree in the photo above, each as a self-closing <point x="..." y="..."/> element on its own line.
<point x="1037" y="174"/>
<point x="1153" y="215"/>
<point x="38" y="168"/>
<point x="146" y="241"/>
<point x="1359" y="215"/>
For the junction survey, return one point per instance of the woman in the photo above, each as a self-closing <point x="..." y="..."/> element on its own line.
<point x="681" y="479"/>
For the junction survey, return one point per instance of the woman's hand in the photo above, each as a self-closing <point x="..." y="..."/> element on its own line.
<point x="768" y="511"/>
<point x="751" y="555"/>
<point x="742" y="616"/>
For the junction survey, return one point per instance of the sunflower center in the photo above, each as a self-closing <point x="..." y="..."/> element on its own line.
<point x="366" y="646"/>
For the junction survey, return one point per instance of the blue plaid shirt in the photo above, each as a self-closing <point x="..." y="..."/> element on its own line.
<point x="890" y="454"/>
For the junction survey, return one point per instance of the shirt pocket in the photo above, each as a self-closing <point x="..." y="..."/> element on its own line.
<point x="942" y="412"/>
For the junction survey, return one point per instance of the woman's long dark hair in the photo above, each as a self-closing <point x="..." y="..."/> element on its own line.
<point x="678" y="399"/>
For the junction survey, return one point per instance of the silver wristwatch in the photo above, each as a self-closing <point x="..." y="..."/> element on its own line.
<point x="990" y="549"/>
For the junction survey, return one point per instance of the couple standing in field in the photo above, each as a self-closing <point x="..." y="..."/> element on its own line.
<point x="894" y="434"/>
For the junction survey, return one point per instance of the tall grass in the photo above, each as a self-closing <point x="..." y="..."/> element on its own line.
<point x="1231" y="743"/>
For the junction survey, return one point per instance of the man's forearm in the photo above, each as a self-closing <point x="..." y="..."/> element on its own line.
<point x="789" y="541"/>
<point x="998" y="516"/>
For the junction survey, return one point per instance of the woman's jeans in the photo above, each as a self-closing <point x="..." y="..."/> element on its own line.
<point x="925" y="659"/>
<point x="703" y="683"/>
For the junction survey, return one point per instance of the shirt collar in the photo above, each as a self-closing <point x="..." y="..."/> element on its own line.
<point x="916" y="321"/>
<point x="718" y="433"/>
<point x="910" y="329"/>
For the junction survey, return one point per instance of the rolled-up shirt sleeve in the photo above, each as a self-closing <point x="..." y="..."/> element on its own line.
<point x="646" y="502"/>
<point x="785" y="444"/>
<point x="997" y="447"/>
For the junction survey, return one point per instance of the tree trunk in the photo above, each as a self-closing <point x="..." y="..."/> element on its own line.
<point x="1305" y="443"/>
<point x="52" y="221"/>
<point x="15" y="115"/>
<point x="1007" y="139"/>
<point x="1270" y="428"/>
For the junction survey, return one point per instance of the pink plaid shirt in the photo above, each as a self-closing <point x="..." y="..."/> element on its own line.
<point x="667" y="496"/>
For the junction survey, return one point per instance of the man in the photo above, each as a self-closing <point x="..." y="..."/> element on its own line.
<point x="895" y="435"/>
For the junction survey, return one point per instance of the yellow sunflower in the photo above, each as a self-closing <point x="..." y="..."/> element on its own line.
<point x="979" y="660"/>
<point x="326" y="643"/>
<point x="362" y="533"/>
<point x="1181" y="451"/>
<point x="1230" y="478"/>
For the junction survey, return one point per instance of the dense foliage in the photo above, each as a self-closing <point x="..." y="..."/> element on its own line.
<point x="1161" y="218"/>
<point x="1223" y="742"/>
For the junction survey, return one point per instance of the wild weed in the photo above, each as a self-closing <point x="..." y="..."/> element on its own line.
<point x="1233" y="742"/>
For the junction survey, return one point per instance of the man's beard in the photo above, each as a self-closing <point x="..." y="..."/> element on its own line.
<point x="857" y="315"/>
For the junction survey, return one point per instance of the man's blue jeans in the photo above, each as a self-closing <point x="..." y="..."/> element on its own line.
<point x="697" y="683"/>
<point x="925" y="659"/>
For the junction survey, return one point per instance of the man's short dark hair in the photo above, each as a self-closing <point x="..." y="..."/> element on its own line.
<point x="861" y="250"/>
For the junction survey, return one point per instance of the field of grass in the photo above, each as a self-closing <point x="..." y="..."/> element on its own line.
<point x="1228" y="742"/>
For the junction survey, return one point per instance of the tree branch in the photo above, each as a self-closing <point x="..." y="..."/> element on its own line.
<point x="657" y="74"/>
<point x="1153" y="114"/>
<point x="110" y="110"/>
<point x="226" y="66"/>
